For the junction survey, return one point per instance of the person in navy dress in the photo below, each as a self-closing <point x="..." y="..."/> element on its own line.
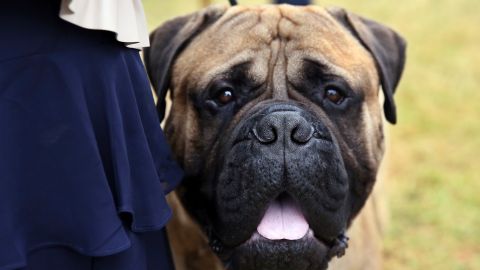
<point x="84" y="165"/>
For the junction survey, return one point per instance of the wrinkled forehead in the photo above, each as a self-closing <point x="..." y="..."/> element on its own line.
<point x="259" y="35"/>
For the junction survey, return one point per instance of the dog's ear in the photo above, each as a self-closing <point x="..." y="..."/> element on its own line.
<point x="387" y="48"/>
<point x="166" y="43"/>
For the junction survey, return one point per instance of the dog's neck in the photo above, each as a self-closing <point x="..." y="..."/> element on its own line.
<point x="189" y="244"/>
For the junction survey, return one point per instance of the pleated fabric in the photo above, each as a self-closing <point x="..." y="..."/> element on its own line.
<point x="84" y="165"/>
<point x="126" y="18"/>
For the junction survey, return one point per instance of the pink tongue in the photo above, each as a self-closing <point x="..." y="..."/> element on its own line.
<point x="283" y="220"/>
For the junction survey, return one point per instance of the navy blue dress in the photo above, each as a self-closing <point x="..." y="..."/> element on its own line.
<point x="293" y="2"/>
<point x="84" y="165"/>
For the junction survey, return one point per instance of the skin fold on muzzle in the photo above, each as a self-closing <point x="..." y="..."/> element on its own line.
<point x="277" y="123"/>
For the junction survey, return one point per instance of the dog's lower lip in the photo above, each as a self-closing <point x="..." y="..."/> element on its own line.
<point x="256" y="237"/>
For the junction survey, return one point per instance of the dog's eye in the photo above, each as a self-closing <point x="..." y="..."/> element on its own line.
<point x="225" y="95"/>
<point x="334" y="95"/>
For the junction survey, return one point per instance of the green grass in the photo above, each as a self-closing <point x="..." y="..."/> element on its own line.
<point x="433" y="178"/>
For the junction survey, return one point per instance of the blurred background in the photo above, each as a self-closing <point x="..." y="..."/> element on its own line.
<point x="433" y="177"/>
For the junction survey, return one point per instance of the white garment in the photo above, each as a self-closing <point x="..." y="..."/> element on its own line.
<point x="124" y="17"/>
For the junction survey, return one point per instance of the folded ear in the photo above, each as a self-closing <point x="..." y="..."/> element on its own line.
<point x="387" y="48"/>
<point x="166" y="43"/>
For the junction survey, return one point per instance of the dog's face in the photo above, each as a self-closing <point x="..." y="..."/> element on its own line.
<point x="277" y="122"/>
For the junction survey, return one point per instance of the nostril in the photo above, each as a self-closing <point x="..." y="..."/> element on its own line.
<point x="302" y="133"/>
<point x="289" y="125"/>
<point x="265" y="134"/>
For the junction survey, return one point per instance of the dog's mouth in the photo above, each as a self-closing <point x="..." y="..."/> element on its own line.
<point x="283" y="220"/>
<point x="284" y="239"/>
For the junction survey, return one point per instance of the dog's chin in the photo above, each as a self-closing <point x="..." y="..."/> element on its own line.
<point x="260" y="253"/>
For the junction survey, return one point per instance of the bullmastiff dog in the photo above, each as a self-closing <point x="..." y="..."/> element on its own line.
<point x="277" y="120"/>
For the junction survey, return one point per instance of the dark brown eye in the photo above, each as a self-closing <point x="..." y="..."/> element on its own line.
<point x="334" y="96"/>
<point x="225" y="96"/>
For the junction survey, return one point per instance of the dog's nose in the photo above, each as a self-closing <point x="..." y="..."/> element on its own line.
<point x="283" y="125"/>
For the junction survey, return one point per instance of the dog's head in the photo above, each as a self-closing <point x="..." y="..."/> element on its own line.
<point x="277" y="121"/>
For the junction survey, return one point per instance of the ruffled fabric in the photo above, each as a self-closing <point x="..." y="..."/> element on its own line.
<point x="83" y="160"/>
<point x="126" y="18"/>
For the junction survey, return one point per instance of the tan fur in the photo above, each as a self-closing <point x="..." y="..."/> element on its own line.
<point x="276" y="39"/>
<point x="189" y="245"/>
<point x="205" y="3"/>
